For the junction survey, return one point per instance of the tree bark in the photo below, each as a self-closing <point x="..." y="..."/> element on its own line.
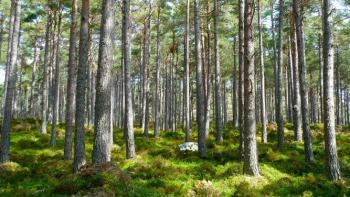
<point x="250" y="165"/>
<point x="71" y="81"/>
<point x="187" y="75"/>
<point x="278" y="80"/>
<point x="328" y="88"/>
<point x="79" y="137"/>
<point x="262" y="78"/>
<point x="218" y="100"/>
<point x="56" y="82"/>
<point x="102" y="138"/>
<point x="128" y="122"/>
<point x="157" y="97"/>
<point x="202" y="148"/>
<point x="241" y="76"/>
<point x="309" y="157"/>
<point x="11" y="85"/>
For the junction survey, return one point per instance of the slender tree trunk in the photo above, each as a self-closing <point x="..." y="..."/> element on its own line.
<point x="44" y="99"/>
<point x="218" y="100"/>
<point x="11" y="85"/>
<point x="328" y="88"/>
<point x="320" y="51"/>
<point x="337" y="79"/>
<point x="278" y="80"/>
<point x="79" y="137"/>
<point x="296" y="91"/>
<point x="234" y="87"/>
<point x="71" y="81"/>
<point x="128" y="122"/>
<point x="157" y="96"/>
<point x="262" y="78"/>
<point x="187" y="75"/>
<point x="250" y="165"/>
<point x="241" y="76"/>
<point x="199" y="85"/>
<point x="309" y="157"/>
<point x="56" y="83"/>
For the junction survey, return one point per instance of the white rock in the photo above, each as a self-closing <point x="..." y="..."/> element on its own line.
<point x="188" y="146"/>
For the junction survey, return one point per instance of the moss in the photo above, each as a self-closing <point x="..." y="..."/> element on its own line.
<point x="159" y="169"/>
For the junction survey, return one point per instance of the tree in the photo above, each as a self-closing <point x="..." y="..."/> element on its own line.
<point x="102" y="136"/>
<point x="11" y="83"/>
<point x="298" y="9"/>
<point x="157" y="100"/>
<point x="56" y="82"/>
<point x="278" y="78"/>
<point x="262" y="78"/>
<point x="218" y="99"/>
<point x="250" y="165"/>
<point x="128" y="115"/>
<point x="328" y="94"/>
<point x="44" y="99"/>
<point x="241" y="76"/>
<point x="79" y="137"/>
<point x="202" y="148"/>
<point x="187" y="75"/>
<point x="71" y="82"/>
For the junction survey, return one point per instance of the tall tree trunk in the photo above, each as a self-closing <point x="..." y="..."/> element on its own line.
<point x="241" y="76"/>
<point x="262" y="78"/>
<point x="71" y="81"/>
<point x="11" y="85"/>
<point x="234" y="87"/>
<point x="56" y="82"/>
<point x="199" y="85"/>
<point x="250" y="165"/>
<point x="102" y="138"/>
<point x="157" y="96"/>
<point x="296" y="91"/>
<point x="187" y="75"/>
<point x="320" y="51"/>
<point x="328" y="88"/>
<point x="337" y="79"/>
<point x="128" y="122"/>
<point x="218" y="101"/>
<point x="44" y="99"/>
<point x="278" y="78"/>
<point x="309" y="157"/>
<point x="79" y="137"/>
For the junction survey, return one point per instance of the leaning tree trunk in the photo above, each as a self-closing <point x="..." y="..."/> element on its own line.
<point x="71" y="81"/>
<point x="250" y="165"/>
<point x="11" y="85"/>
<point x="278" y="78"/>
<point x="309" y="157"/>
<point x="102" y="134"/>
<point x="202" y="148"/>
<point x="218" y="100"/>
<point x="56" y="82"/>
<point x="328" y="97"/>
<point x="128" y="122"/>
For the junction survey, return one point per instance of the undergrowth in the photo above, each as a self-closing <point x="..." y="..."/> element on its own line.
<point x="36" y="169"/>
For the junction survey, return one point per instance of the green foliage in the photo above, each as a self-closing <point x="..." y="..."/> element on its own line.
<point x="160" y="170"/>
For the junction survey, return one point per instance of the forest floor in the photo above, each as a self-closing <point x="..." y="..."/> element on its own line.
<point x="161" y="170"/>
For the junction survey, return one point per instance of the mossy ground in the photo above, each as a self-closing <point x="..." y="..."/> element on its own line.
<point x="160" y="170"/>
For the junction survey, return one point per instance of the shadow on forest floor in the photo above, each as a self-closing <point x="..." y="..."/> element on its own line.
<point x="161" y="170"/>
